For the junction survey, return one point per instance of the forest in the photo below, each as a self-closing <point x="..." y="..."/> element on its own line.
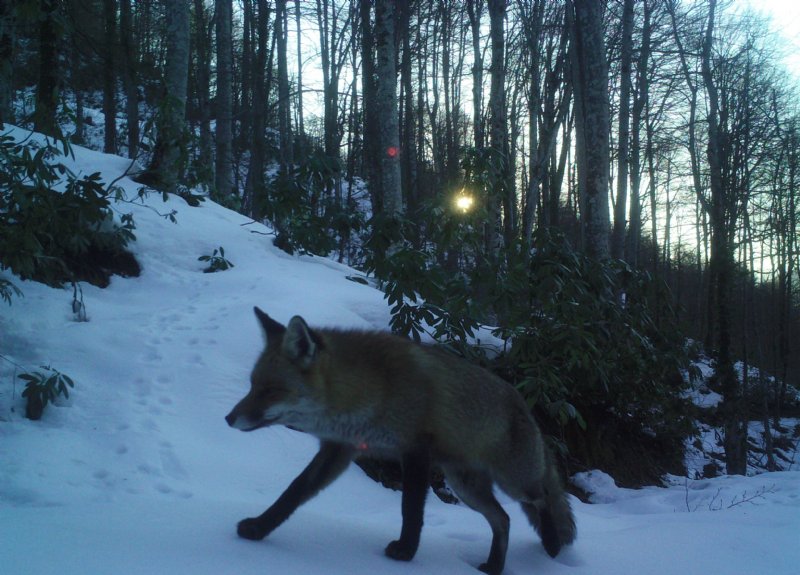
<point x="610" y="185"/>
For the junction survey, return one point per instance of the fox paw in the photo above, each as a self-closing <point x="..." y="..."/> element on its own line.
<point x="399" y="551"/>
<point x="251" y="529"/>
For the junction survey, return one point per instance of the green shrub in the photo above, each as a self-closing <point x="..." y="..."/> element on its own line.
<point x="56" y="236"/>
<point x="309" y="218"/>
<point x="43" y="388"/>
<point x="217" y="262"/>
<point x="595" y="348"/>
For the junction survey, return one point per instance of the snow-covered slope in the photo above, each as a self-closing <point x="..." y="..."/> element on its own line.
<point x="138" y="473"/>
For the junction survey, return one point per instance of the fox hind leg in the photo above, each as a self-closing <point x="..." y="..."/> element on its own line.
<point x="416" y="478"/>
<point x="475" y="489"/>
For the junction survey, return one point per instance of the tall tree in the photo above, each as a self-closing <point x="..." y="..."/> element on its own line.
<point x="475" y="12"/>
<point x="284" y="113"/>
<point x="110" y="76"/>
<point x="201" y="88"/>
<point x="409" y="126"/>
<point x="47" y="88"/>
<point x="169" y="155"/>
<point x="261" y="78"/>
<point x="7" y="27"/>
<point x="498" y="131"/>
<point x="592" y="122"/>
<point x="388" y="120"/>
<point x="371" y="146"/>
<point x="641" y="98"/>
<point x="626" y="59"/>
<point x="129" y="75"/>
<point x="223" y="163"/>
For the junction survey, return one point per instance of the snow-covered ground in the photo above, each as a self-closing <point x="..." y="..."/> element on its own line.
<point x="138" y="473"/>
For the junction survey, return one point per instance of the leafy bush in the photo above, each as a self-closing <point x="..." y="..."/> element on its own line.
<point x="424" y="295"/>
<point x="43" y="388"/>
<point x="57" y="236"/>
<point x="597" y="351"/>
<point x="217" y="262"/>
<point x="308" y="218"/>
<point x="8" y="289"/>
<point x="594" y="348"/>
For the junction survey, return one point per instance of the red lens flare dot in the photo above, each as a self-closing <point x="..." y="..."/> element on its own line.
<point x="392" y="151"/>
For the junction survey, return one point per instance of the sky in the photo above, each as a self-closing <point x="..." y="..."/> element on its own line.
<point x="138" y="473"/>
<point x="785" y="15"/>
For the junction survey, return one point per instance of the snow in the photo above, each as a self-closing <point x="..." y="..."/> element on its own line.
<point x="137" y="472"/>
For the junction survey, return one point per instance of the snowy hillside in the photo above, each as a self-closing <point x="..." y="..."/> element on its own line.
<point x="138" y="473"/>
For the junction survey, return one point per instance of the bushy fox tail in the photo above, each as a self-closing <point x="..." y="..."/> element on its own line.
<point x="551" y="515"/>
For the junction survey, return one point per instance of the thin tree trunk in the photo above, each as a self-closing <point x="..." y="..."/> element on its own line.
<point x="621" y="207"/>
<point x="722" y="267"/>
<point x="284" y="113"/>
<point x="301" y="127"/>
<point x="255" y="188"/>
<point x="498" y="129"/>
<point x="47" y="89"/>
<point x="223" y="174"/>
<point x="110" y="77"/>
<point x="387" y="107"/>
<point x="372" y="158"/>
<point x="202" y="48"/>
<point x="7" y="38"/>
<point x="408" y="158"/>
<point x="169" y="157"/>
<point x="129" y="76"/>
<point x="474" y="12"/>
<point x="640" y="104"/>
<point x="590" y="80"/>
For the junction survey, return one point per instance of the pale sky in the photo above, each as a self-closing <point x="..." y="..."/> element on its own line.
<point x="785" y="16"/>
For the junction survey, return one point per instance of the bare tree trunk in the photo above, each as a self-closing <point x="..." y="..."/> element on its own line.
<point x="129" y="75"/>
<point x="592" y="123"/>
<point x="223" y="176"/>
<point x="387" y="107"/>
<point x="284" y="113"/>
<point x="532" y="22"/>
<point x="110" y="77"/>
<point x="255" y="188"/>
<point x="409" y="128"/>
<point x="722" y="268"/>
<point x="169" y="157"/>
<point x="7" y="37"/>
<point x="621" y="207"/>
<point x="202" y="89"/>
<point x="474" y="12"/>
<point x="301" y="127"/>
<point x="372" y="155"/>
<point x="498" y="129"/>
<point x="47" y="89"/>
<point x="640" y="104"/>
<point x="549" y="121"/>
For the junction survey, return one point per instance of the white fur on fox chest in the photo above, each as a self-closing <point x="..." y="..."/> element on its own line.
<point x="359" y="428"/>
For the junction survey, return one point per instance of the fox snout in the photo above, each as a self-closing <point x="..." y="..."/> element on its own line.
<point x="237" y="420"/>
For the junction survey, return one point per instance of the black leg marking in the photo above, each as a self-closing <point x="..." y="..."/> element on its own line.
<point x="328" y="464"/>
<point x="475" y="489"/>
<point x="416" y="478"/>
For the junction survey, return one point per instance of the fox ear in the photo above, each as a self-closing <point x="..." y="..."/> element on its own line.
<point x="299" y="344"/>
<point x="273" y="330"/>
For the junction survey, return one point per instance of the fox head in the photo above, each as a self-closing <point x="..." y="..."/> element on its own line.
<point x="280" y="383"/>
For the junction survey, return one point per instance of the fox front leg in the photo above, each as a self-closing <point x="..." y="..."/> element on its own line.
<point x="329" y="463"/>
<point x="416" y="478"/>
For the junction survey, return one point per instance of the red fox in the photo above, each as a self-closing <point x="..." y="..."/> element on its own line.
<point x="372" y="393"/>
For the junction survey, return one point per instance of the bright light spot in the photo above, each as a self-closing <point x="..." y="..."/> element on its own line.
<point x="464" y="202"/>
<point x="392" y="151"/>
